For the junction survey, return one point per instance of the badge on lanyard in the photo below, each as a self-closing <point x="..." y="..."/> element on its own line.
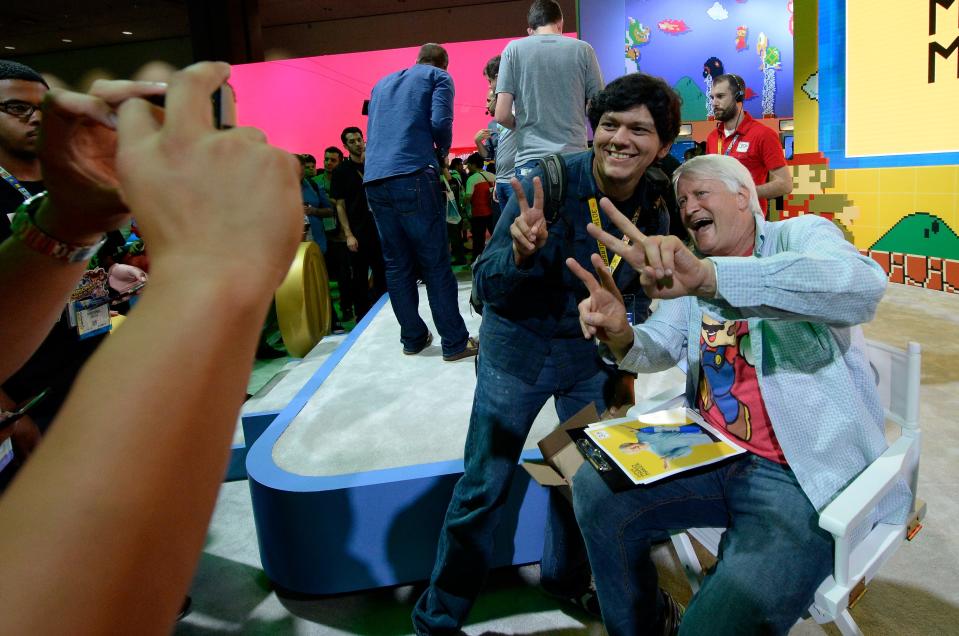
<point x="92" y="316"/>
<point x="89" y="307"/>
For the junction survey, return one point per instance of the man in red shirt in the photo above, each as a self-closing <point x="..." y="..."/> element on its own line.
<point x="756" y="146"/>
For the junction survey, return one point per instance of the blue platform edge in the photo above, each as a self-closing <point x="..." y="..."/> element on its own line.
<point x="832" y="101"/>
<point x="343" y="533"/>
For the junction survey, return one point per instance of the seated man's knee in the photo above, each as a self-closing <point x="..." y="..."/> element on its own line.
<point x="590" y="494"/>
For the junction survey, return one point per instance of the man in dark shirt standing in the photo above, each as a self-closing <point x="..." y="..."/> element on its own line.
<point x="353" y="213"/>
<point x="411" y="124"/>
<point x="21" y="91"/>
<point x="58" y="359"/>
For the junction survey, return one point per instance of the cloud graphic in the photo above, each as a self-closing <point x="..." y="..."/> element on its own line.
<point x="811" y="86"/>
<point x="717" y="12"/>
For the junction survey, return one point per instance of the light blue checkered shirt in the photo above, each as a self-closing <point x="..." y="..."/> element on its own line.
<point x="804" y="292"/>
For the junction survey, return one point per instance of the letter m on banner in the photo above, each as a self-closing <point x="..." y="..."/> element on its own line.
<point x="934" y="47"/>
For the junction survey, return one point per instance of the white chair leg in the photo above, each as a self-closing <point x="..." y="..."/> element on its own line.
<point x="817" y="615"/>
<point x="687" y="557"/>
<point x="847" y="626"/>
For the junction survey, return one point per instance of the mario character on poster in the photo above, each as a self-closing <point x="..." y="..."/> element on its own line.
<point x="724" y="347"/>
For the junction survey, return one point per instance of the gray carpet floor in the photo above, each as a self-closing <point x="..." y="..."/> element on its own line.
<point x="916" y="593"/>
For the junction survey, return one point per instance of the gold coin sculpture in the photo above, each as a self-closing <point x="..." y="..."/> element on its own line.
<point x="303" y="306"/>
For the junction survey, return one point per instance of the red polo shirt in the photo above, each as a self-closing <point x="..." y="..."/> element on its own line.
<point x="756" y="146"/>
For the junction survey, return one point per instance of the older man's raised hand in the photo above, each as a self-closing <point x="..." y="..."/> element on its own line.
<point x="602" y="314"/>
<point x="667" y="268"/>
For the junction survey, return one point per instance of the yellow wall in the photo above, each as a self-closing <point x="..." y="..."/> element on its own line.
<point x="885" y="195"/>
<point x="882" y="195"/>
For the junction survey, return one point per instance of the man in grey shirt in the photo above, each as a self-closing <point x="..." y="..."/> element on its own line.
<point x="546" y="79"/>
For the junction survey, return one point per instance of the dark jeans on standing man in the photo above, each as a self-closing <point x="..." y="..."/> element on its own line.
<point x="504" y="407"/>
<point x="366" y="260"/>
<point x="481" y="224"/>
<point x="504" y="192"/>
<point x="410" y="213"/>
<point x="338" y="268"/>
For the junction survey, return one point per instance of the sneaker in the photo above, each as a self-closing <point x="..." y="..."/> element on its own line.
<point x="673" y="614"/>
<point x="470" y="350"/>
<point x="413" y="352"/>
<point x="588" y="602"/>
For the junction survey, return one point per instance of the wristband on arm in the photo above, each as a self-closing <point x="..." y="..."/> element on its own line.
<point x="24" y="229"/>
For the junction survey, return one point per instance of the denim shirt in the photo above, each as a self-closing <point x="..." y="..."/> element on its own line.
<point x="411" y="116"/>
<point x="531" y="309"/>
<point x="804" y="292"/>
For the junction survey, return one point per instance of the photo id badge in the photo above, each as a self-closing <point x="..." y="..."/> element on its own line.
<point x="92" y="316"/>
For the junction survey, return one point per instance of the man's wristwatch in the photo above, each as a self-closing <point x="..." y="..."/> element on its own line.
<point x="24" y="229"/>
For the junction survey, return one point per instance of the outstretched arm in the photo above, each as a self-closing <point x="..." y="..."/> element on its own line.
<point x="102" y="528"/>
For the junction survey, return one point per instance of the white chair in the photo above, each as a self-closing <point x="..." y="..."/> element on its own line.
<point x="897" y="377"/>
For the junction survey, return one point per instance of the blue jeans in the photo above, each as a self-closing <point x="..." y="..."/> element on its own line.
<point x="504" y="192"/>
<point x="771" y="559"/>
<point x="523" y="170"/>
<point x="504" y="408"/>
<point x="410" y="213"/>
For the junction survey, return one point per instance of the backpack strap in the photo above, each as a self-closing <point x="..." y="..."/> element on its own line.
<point x="554" y="185"/>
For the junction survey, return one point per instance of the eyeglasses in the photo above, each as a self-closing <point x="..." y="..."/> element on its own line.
<point x="19" y="109"/>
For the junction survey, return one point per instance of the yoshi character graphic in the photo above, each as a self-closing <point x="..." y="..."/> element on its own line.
<point x="721" y="344"/>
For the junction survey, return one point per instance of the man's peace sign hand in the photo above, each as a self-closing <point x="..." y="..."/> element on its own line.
<point x="528" y="230"/>
<point x="602" y="314"/>
<point x="667" y="268"/>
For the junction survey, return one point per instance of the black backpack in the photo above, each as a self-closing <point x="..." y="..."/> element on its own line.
<point x="554" y="193"/>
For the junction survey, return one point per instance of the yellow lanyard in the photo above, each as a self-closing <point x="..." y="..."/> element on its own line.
<point x="594" y="213"/>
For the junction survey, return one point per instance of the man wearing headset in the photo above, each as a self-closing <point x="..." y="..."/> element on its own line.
<point x="756" y="146"/>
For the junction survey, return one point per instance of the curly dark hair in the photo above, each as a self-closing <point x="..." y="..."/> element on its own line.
<point x="640" y="89"/>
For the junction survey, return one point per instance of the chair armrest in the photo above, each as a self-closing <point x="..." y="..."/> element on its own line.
<point x="857" y="499"/>
<point x="849" y="509"/>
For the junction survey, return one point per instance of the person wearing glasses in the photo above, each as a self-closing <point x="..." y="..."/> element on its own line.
<point x="21" y="91"/>
<point x="56" y="362"/>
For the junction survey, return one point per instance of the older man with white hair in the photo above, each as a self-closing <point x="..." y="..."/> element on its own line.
<point x="767" y="315"/>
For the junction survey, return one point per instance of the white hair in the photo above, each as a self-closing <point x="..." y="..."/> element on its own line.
<point x="720" y="168"/>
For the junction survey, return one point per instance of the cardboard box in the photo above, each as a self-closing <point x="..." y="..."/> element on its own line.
<point x="561" y="457"/>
